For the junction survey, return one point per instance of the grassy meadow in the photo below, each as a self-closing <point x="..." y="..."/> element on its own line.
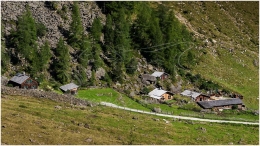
<point x="233" y="26"/>
<point x="34" y="121"/>
<point x="109" y="95"/>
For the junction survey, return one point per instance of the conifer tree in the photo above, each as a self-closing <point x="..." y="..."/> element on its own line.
<point x="76" y="27"/>
<point x="62" y="63"/>
<point x="122" y="38"/>
<point x="5" y="59"/>
<point x="141" y="27"/>
<point x="85" y="51"/>
<point x="108" y="35"/>
<point x="96" y="30"/>
<point x="24" y="39"/>
<point x="44" y="56"/>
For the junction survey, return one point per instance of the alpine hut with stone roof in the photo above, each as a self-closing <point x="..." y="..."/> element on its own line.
<point x="70" y="88"/>
<point x="23" y="81"/>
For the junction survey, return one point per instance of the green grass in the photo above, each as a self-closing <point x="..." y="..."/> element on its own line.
<point x="225" y="115"/>
<point x="98" y="95"/>
<point x="227" y="71"/>
<point x="39" y="122"/>
<point x="109" y="95"/>
<point x="234" y="25"/>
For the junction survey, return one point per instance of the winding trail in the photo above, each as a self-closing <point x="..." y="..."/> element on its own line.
<point x="177" y="117"/>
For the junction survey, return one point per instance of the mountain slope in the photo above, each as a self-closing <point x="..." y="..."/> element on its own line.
<point x="141" y="37"/>
<point x="31" y="121"/>
<point x="228" y="34"/>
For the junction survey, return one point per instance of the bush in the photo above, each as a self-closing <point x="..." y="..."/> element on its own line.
<point x="234" y="107"/>
<point x="41" y="29"/>
<point x="145" y="91"/>
<point x="191" y="106"/>
<point x="9" y="85"/>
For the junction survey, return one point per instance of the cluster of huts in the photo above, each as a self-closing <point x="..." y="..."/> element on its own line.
<point x="204" y="101"/>
<point x="214" y="102"/>
<point x="23" y="81"/>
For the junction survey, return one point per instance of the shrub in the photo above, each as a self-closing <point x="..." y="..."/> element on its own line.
<point x="191" y="106"/>
<point x="41" y="29"/>
<point x="9" y="85"/>
<point x="234" y="107"/>
<point x="145" y="91"/>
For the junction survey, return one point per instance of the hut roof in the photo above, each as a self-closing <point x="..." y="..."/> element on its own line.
<point x="158" y="74"/>
<point x="157" y="93"/>
<point x="68" y="86"/>
<point x="147" y="77"/>
<point x="19" y="78"/>
<point x="190" y="93"/>
<point x="218" y="103"/>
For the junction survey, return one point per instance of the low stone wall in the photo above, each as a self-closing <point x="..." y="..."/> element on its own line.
<point x="44" y="94"/>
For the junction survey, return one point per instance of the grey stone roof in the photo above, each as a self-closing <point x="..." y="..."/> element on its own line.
<point x="190" y="93"/>
<point x="147" y="77"/>
<point x="19" y="78"/>
<point x="157" y="74"/>
<point x="218" y="103"/>
<point x="68" y="86"/>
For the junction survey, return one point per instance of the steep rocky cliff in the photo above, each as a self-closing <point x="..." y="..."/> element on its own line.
<point x="42" y="12"/>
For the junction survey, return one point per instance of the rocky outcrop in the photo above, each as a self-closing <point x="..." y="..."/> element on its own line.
<point x="55" y="24"/>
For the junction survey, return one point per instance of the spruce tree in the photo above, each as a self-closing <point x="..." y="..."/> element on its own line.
<point x="122" y="38"/>
<point x="95" y="33"/>
<point x="84" y="53"/>
<point x="5" y="58"/>
<point x="108" y="35"/>
<point x="62" y="62"/>
<point x="76" y="27"/>
<point x="44" y="56"/>
<point x="96" y="30"/>
<point x="24" y="39"/>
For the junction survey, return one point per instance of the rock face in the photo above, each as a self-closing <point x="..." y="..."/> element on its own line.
<point x="100" y="73"/>
<point x="12" y="10"/>
<point x="4" y="80"/>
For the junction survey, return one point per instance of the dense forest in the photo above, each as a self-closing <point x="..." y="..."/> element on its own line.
<point x="131" y="29"/>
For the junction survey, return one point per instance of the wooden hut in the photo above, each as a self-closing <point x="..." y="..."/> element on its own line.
<point x="23" y="81"/>
<point x="160" y="94"/>
<point x="70" y="88"/>
<point x="160" y="75"/>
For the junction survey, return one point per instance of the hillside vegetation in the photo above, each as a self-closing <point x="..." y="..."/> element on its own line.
<point x="32" y="121"/>
<point x="207" y="46"/>
<point x="229" y="49"/>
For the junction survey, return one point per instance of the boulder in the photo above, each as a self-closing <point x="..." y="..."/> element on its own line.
<point x="4" y="80"/>
<point x="100" y="73"/>
<point x="132" y="94"/>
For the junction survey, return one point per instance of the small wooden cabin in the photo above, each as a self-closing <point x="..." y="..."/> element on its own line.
<point x="160" y="75"/>
<point x="23" y="81"/>
<point x="161" y="95"/>
<point x="191" y="94"/>
<point x="70" y="88"/>
<point x="202" y="97"/>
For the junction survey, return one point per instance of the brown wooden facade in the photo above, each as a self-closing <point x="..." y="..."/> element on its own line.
<point x="71" y="91"/>
<point x="27" y="84"/>
<point x="202" y="97"/>
<point x="167" y="96"/>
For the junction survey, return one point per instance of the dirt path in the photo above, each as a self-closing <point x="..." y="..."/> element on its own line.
<point x="177" y="117"/>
